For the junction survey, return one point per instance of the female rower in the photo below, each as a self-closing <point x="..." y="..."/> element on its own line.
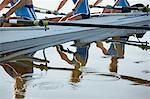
<point x="122" y="3"/>
<point x="80" y="11"/>
<point x="22" y="8"/>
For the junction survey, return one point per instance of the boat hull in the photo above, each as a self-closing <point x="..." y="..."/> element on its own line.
<point x="25" y="38"/>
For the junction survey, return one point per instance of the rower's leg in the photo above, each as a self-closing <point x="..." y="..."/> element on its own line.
<point x="66" y="17"/>
<point x="1" y="24"/>
<point x="54" y="19"/>
<point x="6" y="25"/>
<point x="77" y="17"/>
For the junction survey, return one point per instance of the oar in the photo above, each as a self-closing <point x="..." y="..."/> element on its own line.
<point x="49" y="12"/>
<point x="44" y="67"/>
<point x="118" y="14"/>
<point x="45" y="23"/>
<point x="142" y="45"/>
<point x="144" y="9"/>
<point x="45" y="11"/>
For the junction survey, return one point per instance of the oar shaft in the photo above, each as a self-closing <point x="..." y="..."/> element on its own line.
<point x="49" y="12"/>
<point x="124" y="8"/>
<point x="45" y="23"/>
<point x="98" y="25"/>
<point x="45" y="11"/>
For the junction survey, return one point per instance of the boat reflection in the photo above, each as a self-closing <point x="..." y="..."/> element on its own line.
<point x="24" y="64"/>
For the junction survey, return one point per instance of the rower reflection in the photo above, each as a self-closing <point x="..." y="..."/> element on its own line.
<point x="80" y="58"/>
<point x="16" y="70"/>
<point x="75" y="76"/>
<point x="116" y="51"/>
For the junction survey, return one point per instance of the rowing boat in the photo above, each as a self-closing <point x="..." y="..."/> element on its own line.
<point x="34" y="38"/>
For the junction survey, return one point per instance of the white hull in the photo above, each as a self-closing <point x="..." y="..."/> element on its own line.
<point x="36" y="38"/>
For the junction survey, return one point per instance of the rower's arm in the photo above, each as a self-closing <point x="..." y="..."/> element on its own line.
<point x="63" y="56"/>
<point x="100" y="45"/>
<point x="97" y="2"/>
<point x="62" y="3"/>
<point x="4" y="4"/>
<point x="19" y="4"/>
<point x="77" y="4"/>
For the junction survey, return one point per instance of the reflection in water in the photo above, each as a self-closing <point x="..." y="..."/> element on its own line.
<point x="116" y="51"/>
<point x="136" y="81"/>
<point x="22" y="65"/>
<point x="99" y="76"/>
<point x="16" y="70"/>
<point x="75" y="76"/>
<point x="80" y="58"/>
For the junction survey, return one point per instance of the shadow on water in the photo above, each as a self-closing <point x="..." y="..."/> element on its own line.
<point x="21" y="67"/>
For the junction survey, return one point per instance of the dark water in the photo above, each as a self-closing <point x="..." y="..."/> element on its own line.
<point x="121" y="75"/>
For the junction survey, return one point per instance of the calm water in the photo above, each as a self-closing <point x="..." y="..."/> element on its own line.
<point x="103" y="76"/>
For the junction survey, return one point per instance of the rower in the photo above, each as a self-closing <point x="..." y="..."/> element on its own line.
<point x="96" y="3"/>
<point x="122" y="3"/>
<point x="116" y="51"/>
<point x="20" y="71"/>
<point x="22" y="8"/>
<point x="80" y="11"/>
<point x="80" y="57"/>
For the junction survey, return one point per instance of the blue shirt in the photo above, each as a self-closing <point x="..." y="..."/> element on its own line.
<point x="83" y="52"/>
<point x="123" y="3"/>
<point x="27" y="12"/>
<point x="83" y="8"/>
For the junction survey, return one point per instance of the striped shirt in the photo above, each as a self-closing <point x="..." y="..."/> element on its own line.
<point x="27" y="12"/>
<point x="83" y="8"/>
<point x="123" y="3"/>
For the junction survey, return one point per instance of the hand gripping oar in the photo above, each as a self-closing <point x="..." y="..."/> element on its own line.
<point x="46" y="23"/>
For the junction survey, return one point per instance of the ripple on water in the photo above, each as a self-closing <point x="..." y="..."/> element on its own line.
<point x="48" y="85"/>
<point x="36" y="81"/>
<point x="32" y="76"/>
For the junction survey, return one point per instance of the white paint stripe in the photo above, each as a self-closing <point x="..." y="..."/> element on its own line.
<point x="30" y="13"/>
<point x="33" y="13"/>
